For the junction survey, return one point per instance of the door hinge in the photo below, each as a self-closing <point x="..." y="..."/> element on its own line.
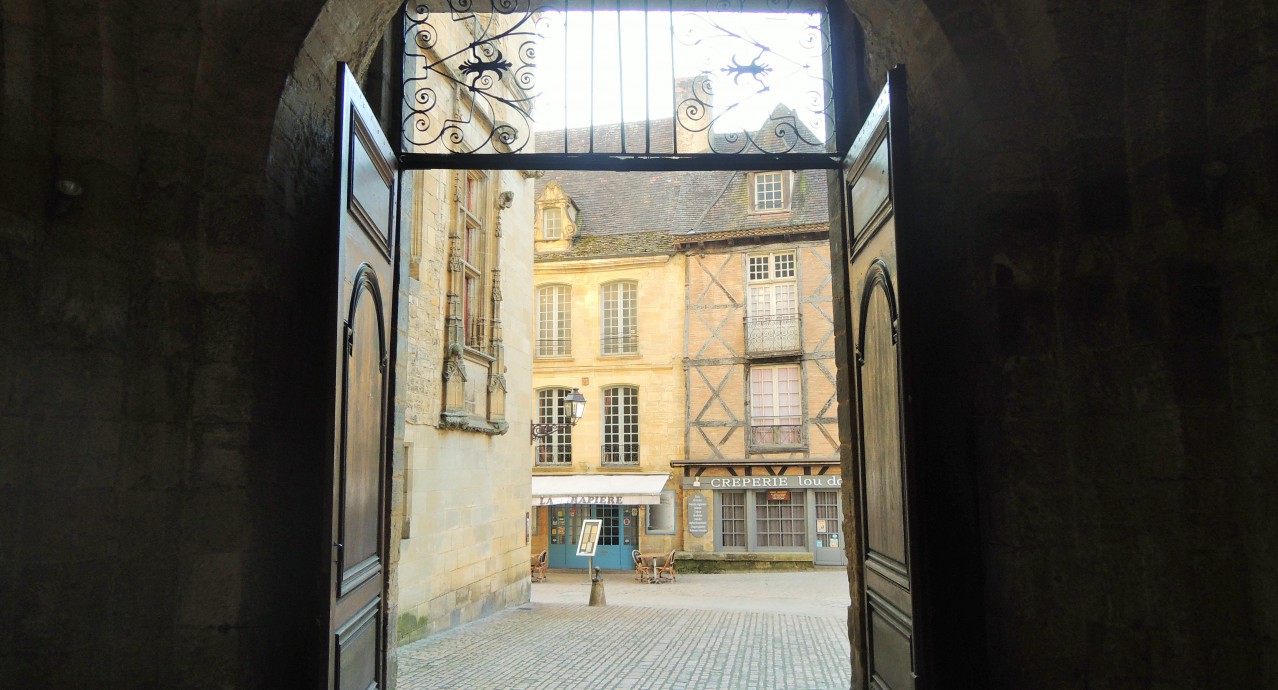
<point x="350" y="338"/>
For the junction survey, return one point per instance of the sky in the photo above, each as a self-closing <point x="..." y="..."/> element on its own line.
<point x="629" y="53"/>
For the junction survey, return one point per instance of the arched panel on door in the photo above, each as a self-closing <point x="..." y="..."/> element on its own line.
<point x="889" y="608"/>
<point x="364" y="416"/>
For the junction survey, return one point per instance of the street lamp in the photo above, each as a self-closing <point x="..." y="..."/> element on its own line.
<point x="576" y="404"/>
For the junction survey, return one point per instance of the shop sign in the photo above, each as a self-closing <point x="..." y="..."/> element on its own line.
<point x="784" y="481"/>
<point x="698" y="515"/>
<point x="779" y="495"/>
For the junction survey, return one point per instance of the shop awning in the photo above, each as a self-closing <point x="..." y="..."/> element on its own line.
<point x="608" y="489"/>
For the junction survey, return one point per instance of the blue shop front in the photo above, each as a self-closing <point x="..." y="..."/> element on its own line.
<point x="570" y="499"/>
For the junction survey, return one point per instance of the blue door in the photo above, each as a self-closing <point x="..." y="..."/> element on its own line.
<point x="618" y="537"/>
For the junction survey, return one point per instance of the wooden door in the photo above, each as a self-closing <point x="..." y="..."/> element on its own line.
<point x="367" y="186"/>
<point x="884" y="567"/>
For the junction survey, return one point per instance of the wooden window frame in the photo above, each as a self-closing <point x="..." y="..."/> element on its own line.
<point x="786" y="181"/>
<point x="622" y="339"/>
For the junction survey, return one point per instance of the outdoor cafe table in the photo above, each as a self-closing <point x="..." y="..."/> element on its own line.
<point x="646" y="557"/>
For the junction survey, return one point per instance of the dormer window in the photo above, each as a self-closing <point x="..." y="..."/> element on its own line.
<point x="552" y="223"/>
<point x="770" y="191"/>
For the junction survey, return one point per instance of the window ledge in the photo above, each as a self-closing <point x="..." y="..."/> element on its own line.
<point x="474" y="354"/>
<point x="462" y="421"/>
<point x="553" y="357"/>
<point x="776" y="447"/>
<point x="621" y="355"/>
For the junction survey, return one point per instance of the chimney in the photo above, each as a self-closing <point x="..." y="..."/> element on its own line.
<point x="694" y="109"/>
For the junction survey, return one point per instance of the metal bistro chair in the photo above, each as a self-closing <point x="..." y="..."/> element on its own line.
<point x="539" y="567"/>
<point x="641" y="569"/>
<point x="667" y="570"/>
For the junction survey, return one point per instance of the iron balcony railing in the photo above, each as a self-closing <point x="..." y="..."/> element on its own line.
<point x="776" y="435"/>
<point x="554" y="347"/>
<point x="620" y="344"/>
<point x="768" y="335"/>
<point x="552" y="453"/>
<point x="620" y="453"/>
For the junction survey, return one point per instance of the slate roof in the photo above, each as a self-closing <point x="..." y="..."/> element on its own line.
<point x="631" y="208"/>
<point x="616" y="244"/>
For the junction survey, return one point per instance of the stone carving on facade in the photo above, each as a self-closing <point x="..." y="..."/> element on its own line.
<point x="455" y="414"/>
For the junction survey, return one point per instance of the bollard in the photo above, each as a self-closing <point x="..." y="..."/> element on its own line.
<point x="597" y="590"/>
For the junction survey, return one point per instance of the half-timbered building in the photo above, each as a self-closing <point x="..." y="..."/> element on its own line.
<point x="760" y="477"/>
<point x="705" y="297"/>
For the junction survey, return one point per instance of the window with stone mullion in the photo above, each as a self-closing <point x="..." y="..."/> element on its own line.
<point x="474" y="259"/>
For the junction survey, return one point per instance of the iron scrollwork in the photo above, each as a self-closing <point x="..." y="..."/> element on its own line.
<point x="492" y="112"/>
<point x="757" y="67"/>
<point x="470" y="77"/>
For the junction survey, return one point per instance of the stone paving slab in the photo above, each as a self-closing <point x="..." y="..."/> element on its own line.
<point x="623" y="647"/>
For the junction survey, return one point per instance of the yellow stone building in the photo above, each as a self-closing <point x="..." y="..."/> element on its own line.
<point x="696" y="308"/>
<point x="608" y="310"/>
<point x="460" y="497"/>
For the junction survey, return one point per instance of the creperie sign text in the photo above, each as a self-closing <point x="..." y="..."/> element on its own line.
<point x="788" y="481"/>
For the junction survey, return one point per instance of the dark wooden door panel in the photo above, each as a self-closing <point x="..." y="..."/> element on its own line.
<point x="886" y="613"/>
<point x="365" y="241"/>
<point x="361" y="462"/>
<point x="884" y="499"/>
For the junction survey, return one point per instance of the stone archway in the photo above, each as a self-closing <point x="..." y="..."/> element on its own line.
<point x="302" y="124"/>
<point x="1099" y="181"/>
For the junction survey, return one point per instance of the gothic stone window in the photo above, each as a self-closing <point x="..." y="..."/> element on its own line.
<point x="474" y="213"/>
<point x="474" y="369"/>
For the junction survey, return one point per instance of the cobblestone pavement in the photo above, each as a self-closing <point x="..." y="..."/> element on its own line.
<point x="731" y="631"/>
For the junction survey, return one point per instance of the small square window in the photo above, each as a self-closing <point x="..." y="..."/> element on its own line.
<point x="770" y="192"/>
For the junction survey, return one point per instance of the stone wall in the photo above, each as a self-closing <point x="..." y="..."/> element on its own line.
<point x="1095" y="184"/>
<point x="465" y="555"/>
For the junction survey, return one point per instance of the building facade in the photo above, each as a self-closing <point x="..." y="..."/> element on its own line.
<point x="761" y="477"/>
<point x="607" y="311"/>
<point x="462" y="490"/>
<point x="694" y="312"/>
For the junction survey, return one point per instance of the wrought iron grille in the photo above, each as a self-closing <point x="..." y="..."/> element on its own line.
<point x="776" y="435"/>
<point x="550" y="452"/>
<point x="554" y="347"/>
<point x="620" y="453"/>
<point x="625" y="344"/>
<point x="772" y="334"/>
<point x="641" y="78"/>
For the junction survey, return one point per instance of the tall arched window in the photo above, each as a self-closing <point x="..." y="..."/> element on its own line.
<point x="620" y="425"/>
<point x="554" y="324"/>
<point x="555" y="449"/>
<point x="620" y="319"/>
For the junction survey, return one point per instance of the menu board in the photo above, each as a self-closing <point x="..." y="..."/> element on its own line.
<point x="698" y="515"/>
